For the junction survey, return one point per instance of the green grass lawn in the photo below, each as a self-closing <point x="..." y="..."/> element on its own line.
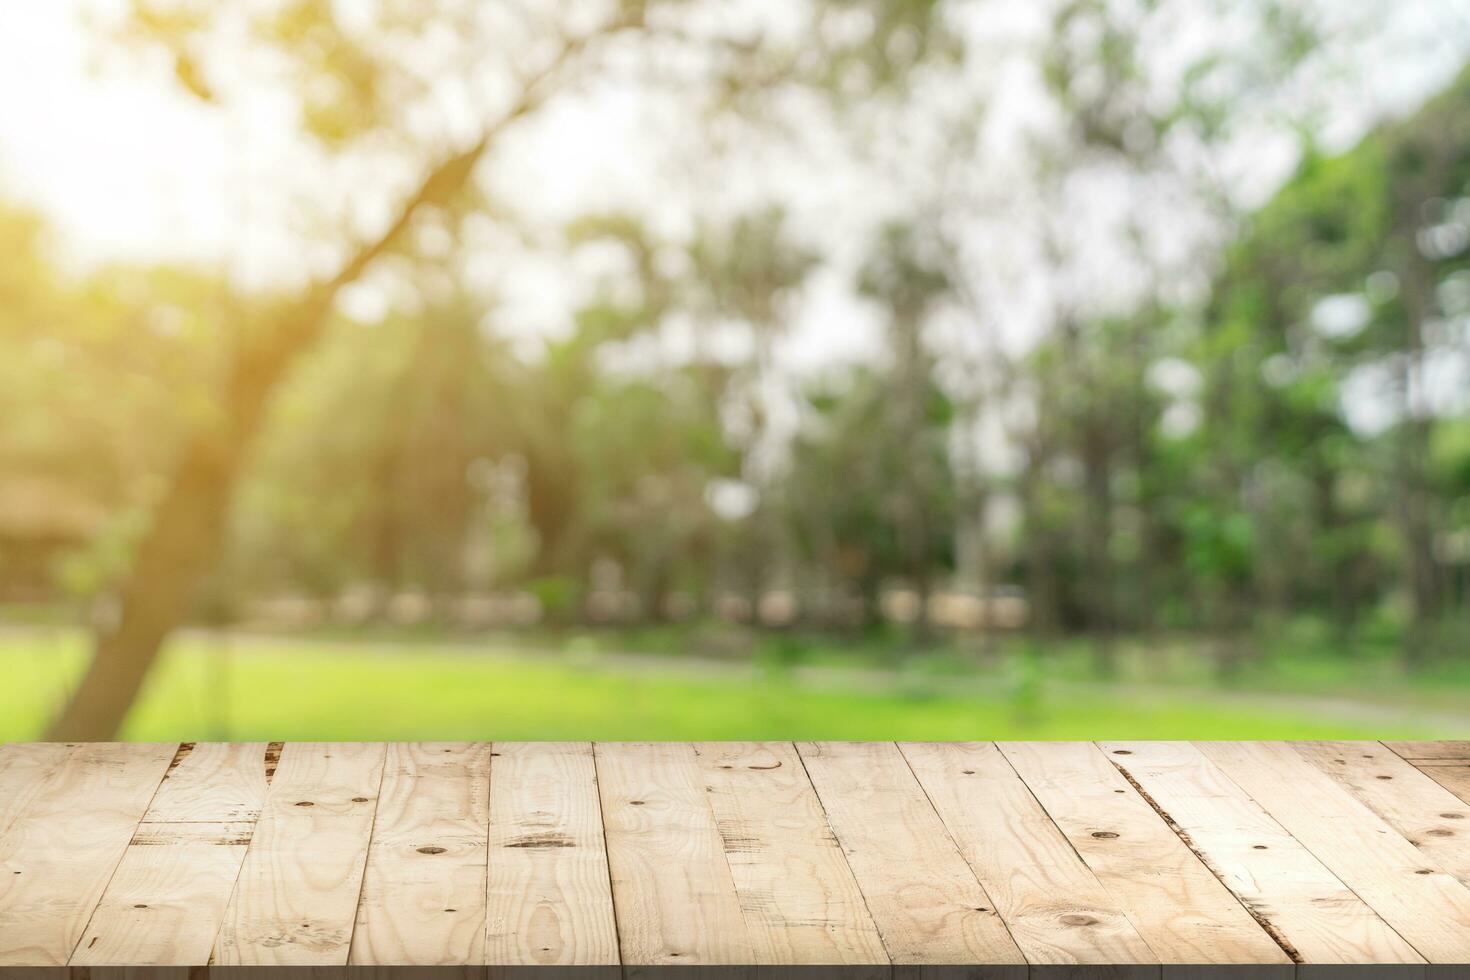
<point x="247" y="688"/>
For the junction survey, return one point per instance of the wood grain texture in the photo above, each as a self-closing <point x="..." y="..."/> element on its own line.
<point x="296" y="899"/>
<point x="1454" y="778"/>
<point x="928" y="905"/>
<point x="1432" y="751"/>
<point x="1423" y="903"/>
<point x="24" y="770"/>
<point x="423" y="890"/>
<point x="1429" y="816"/>
<point x="1056" y="909"/>
<point x="1268" y="870"/>
<point x="61" y="850"/>
<point x="549" y="894"/>
<point x="801" y="903"/>
<point x="1184" y="913"/>
<point x="735" y="861"/>
<point x="672" y="888"/>
<point x="165" y="903"/>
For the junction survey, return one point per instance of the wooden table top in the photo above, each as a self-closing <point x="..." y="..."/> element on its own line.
<point x="865" y="857"/>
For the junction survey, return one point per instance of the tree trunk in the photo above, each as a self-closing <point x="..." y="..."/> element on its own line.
<point x="1042" y="586"/>
<point x="188" y="527"/>
<point x="1097" y="533"/>
<point x="181" y="546"/>
<point x="1414" y="512"/>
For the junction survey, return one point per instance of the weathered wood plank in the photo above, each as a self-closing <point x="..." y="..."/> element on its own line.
<point x="164" y="905"/>
<point x="1441" y="751"/>
<point x="24" y="769"/>
<point x="61" y="850"/>
<point x="928" y="905"/>
<point x="1429" y="816"/>
<point x="763" y="861"/>
<point x="549" y="894"/>
<point x="423" y="890"/>
<point x="1455" y="778"/>
<point x="672" y="888"/>
<point x="296" y="899"/>
<point x="1303" y="902"/>
<point x="1182" y="911"/>
<point x="801" y="902"/>
<point x="1056" y="909"/>
<point x="1423" y="903"/>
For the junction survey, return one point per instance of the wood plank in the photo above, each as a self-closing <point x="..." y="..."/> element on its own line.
<point x="801" y="902"/>
<point x="24" y="769"/>
<point x="1455" y="779"/>
<point x="1056" y="909"/>
<point x="423" y="890"/>
<point x="1303" y="902"/>
<point x="672" y="888"/>
<point x="296" y="899"/>
<point x="1182" y="911"/>
<point x="1429" y="816"/>
<point x="164" y="905"/>
<point x="62" y="849"/>
<point x="1423" y="903"/>
<point x="927" y="903"/>
<point x="549" y="894"/>
<point x="1440" y="751"/>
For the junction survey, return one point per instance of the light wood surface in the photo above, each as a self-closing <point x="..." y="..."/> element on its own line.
<point x="1421" y="901"/>
<point x="672" y="888"/>
<point x="1447" y="763"/>
<point x="296" y="899"/>
<point x="167" y="898"/>
<point x="1429" y="816"/>
<point x="800" y="900"/>
<point x="423" y="891"/>
<point x="550" y="897"/>
<point x="24" y="770"/>
<point x="925" y="899"/>
<point x="1290" y="891"/>
<point x="735" y="861"/>
<point x="60" y="851"/>
<point x="1432" y="751"/>
<point x="1182" y="910"/>
<point x="1055" y="908"/>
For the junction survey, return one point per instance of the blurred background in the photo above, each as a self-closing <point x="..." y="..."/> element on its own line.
<point x="734" y="369"/>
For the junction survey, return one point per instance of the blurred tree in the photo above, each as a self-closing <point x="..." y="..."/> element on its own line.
<point x="746" y="271"/>
<point x="1350" y="269"/>
<point x="362" y="80"/>
<point x="908" y="278"/>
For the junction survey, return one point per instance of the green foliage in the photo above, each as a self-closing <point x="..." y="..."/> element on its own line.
<point x="425" y="452"/>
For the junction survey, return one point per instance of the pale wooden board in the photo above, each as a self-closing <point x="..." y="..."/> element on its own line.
<point x="672" y="888"/>
<point x="1056" y="909"/>
<point x="1184" y="913"/>
<point x="213" y="782"/>
<point x="423" y="891"/>
<point x="928" y="905"/>
<point x="1429" y="816"/>
<point x="296" y="899"/>
<point x="736" y="859"/>
<point x="549" y="896"/>
<point x="24" y="770"/>
<point x="61" y="850"/>
<point x="801" y="902"/>
<point x="1424" y="904"/>
<point x="165" y="903"/>
<point x="1268" y="869"/>
<point x="1455" y="778"/>
<point x="1432" y="751"/>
